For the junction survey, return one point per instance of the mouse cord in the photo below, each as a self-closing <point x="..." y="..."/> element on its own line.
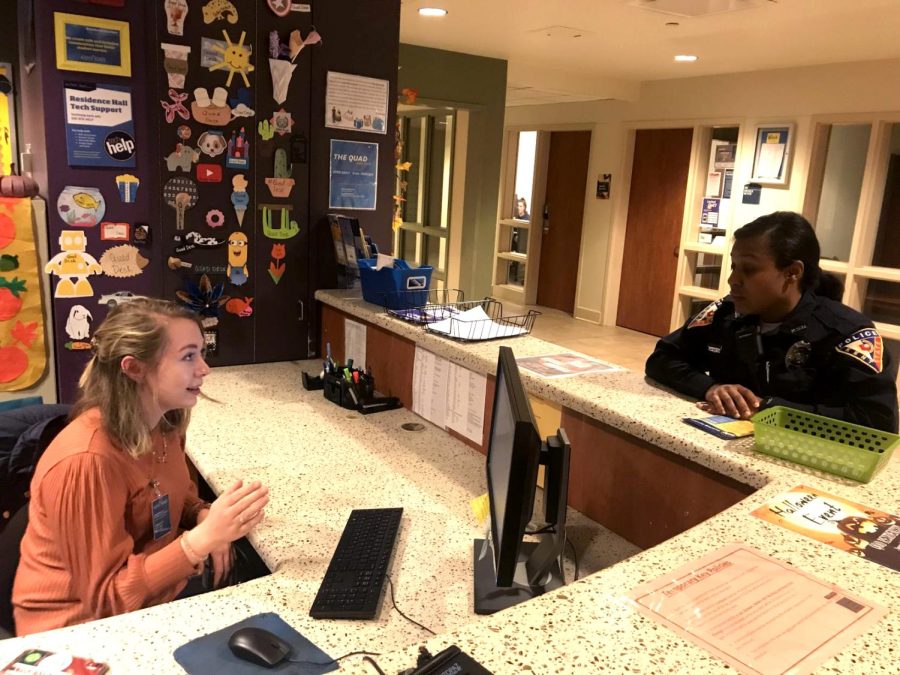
<point x="394" y="603"/>
<point x="574" y="556"/>
<point x="328" y="663"/>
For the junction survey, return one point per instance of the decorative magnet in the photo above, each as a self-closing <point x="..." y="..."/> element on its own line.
<point x="282" y="72"/>
<point x="123" y="261"/>
<point x="182" y="157"/>
<point x="238" y="156"/>
<point x="176" y="11"/>
<point x="184" y="132"/>
<point x="177" y="263"/>
<point x="180" y="193"/>
<point x="216" y="10"/>
<point x="73" y="266"/>
<point x="215" y="218"/>
<point x="212" y="143"/>
<point x="282" y="59"/>
<point x="204" y="298"/>
<point x="280" y="7"/>
<point x="276" y="266"/>
<point x="240" y="200"/>
<point x="266" y="130"/>
<point x="209" y="173"/>
<point x="287" y="228"/>
<point x="282" y="122"/>
<point x="141" y="235"/>
<point x="410" y="95"/>
<point x="128" y="186"/>
<point x="193" y="240"/>
<point x="215" y="111"/>
<point x="240" y="104"/>
<point x="176" y="107"/>
<point x="240" y="307"/>
<point x="281" y="184"/>
<point x="175" y="63"/>
<point x="80" y="206"/>
<point x="78" y="325"/>
<point x="235" y="57"/>
<point x="114" y="231"/>
<point x="237" y="258"/>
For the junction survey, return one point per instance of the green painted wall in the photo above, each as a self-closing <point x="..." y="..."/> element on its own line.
<point x="477" y="83"/>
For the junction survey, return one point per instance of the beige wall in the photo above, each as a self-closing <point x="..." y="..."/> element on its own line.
<point x="800" y="96"/>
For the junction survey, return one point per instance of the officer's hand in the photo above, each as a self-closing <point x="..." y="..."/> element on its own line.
<point x="734" y="400"/>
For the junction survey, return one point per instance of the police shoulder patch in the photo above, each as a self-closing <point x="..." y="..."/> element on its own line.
<point x="865" y="346"/>
<point x="705" y="317"/>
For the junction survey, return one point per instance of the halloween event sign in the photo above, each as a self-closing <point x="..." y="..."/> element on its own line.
<point x="99" y="125"/>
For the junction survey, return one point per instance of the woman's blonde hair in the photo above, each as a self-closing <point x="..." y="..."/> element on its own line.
<point x="135" y="328"/>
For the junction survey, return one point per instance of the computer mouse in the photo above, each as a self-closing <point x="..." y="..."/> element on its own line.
<point x="258" y="646"/>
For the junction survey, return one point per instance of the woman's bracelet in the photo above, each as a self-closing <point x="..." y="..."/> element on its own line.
<point x="189" y="551"/>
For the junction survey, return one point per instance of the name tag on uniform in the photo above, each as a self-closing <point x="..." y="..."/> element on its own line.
<point x="714" y="349"/>
<point x="162" y="521"/>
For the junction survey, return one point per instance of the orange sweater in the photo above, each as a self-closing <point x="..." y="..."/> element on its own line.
<point x="89" y="551"/>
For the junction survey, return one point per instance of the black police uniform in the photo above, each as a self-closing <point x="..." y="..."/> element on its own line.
<point x="823" y="358"/>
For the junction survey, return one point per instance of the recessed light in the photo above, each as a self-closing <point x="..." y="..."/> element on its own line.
<point x="432" y="11"/>
<point x="686" y="58"/>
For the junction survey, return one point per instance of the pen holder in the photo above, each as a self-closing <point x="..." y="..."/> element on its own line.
<point x="333" y="386"/>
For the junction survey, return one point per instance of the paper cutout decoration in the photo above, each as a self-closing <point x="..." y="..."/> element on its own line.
<point x="238" y="156"/>
<point x="410" y="95"/>
<point x="266" y="130"/>
<point x="176" y="11"/>
<point x="180" y="193"/>
<point x="276" y="266"/>
<point x="175" y="63"/>
<point x="216" y="10"/>
<point x="183" y="132"/>
<point x="240" y="104"/>
<point x="209" y="173"/>
<point x="215" y="111"/>
<point x="193" y="240"/>
<point x="279" y="7"/>
<point x="176" y="107"/>
<point x="282" y="72"/>
<point x="282" y="122"/>
<point x="114" y="231"/>
<point x="204" y="298"/>
<point x="78" y="325"/>
<point x="239" y="307"/>
<point x="237" y="258"/>
<point x="80" y="206"/>
<point x="286" y="229"/>
<point x="215" y="218"/>
<point x="212" y="143"/>
<point x="281" y="184"/>
<point x="12" y="295"/>
<point x="235" y="57"/>
<point x="123" y="261"/>
<point x="14" y="360"/>
<point x="177" y="263"/>
<point x="282" y="60"/>
<point x="240" y="200"/>
<point x="8" y="262"/>
<point x="128" y="186"/>
<point x="182" y="157"/>
<point x="73" y="265"/>
<point x="141" y="234"/>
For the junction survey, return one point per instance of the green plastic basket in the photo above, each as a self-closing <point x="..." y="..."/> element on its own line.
<point x="823" y="443"/>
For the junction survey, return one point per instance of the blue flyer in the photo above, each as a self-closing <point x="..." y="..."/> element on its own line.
<point x="99" y="125"/>
<point x="353" y="171"/>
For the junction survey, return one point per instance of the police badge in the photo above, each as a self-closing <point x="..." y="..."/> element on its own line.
<point x="797" y="355"/>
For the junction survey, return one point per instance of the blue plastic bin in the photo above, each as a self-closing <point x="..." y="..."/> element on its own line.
<point x="400" y="287"/>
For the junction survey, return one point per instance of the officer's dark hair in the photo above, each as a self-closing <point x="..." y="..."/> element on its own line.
<point x="790" y="237"/>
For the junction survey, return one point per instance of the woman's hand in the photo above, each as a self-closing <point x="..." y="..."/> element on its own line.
<point x="734" y="400"/>
<point x="222" y="558"/>
<point x="237" y="511"/>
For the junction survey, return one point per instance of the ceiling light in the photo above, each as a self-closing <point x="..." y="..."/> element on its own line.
<point x="432" y="11"/>
<point x="686" y="58"/>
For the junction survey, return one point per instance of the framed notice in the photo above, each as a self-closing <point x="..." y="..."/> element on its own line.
<point x="356" y="103"/>
<point x="353" y="175"/>
<point x="772" y="158"/>
<point x="92" y="45"/>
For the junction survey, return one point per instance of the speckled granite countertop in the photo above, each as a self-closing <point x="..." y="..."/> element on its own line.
<point x="321" y="461"/>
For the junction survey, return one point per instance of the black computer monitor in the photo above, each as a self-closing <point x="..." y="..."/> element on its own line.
<point x="509" y="569"/>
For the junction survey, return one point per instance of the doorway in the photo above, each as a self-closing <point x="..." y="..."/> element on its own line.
<point x="659" y="179"/>
<point x="561" y="218"/>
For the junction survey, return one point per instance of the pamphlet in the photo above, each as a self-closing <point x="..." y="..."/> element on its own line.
<point x="565" y="365"/>
<point x="859" y="530"/>
<point x="50" y="663"/>
<point x="722" y="426"/>
<point x="757" y="613"/>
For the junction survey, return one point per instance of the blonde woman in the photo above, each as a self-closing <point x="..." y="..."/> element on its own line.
<point x="115" y="523"/>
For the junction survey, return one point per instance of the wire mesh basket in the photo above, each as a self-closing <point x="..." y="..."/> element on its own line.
<point x="479" y="320"/>
<point x="423" y="307"/>
<point x="823" y="443"/>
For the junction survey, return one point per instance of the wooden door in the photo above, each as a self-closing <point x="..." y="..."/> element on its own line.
<point x="564" y="210"/>
<point x="655" y="212"/>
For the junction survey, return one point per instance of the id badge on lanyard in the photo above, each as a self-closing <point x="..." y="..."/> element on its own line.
<point x="159" y="512"/>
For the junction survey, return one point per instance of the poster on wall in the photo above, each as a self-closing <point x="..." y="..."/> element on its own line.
<point x="353" y="175"/>
<point x="92" y="45"/>
<point x="99" y="125"/>
<point x="357" y="103"/>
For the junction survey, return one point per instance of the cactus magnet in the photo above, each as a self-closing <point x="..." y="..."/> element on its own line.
<point x="281" y="184"/>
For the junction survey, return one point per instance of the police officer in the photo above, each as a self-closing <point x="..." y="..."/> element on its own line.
<point x="781" y="337"/>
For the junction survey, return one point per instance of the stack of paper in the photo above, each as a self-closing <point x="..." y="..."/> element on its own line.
<point x="474" y="324"/>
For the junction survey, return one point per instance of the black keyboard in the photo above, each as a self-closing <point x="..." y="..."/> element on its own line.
<point x="352" y="585"/>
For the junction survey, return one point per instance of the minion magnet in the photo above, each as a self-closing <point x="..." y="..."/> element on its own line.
<point x="237" y="258"/>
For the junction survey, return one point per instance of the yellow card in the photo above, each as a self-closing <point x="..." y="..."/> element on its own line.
<point x="481" y="508"/>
